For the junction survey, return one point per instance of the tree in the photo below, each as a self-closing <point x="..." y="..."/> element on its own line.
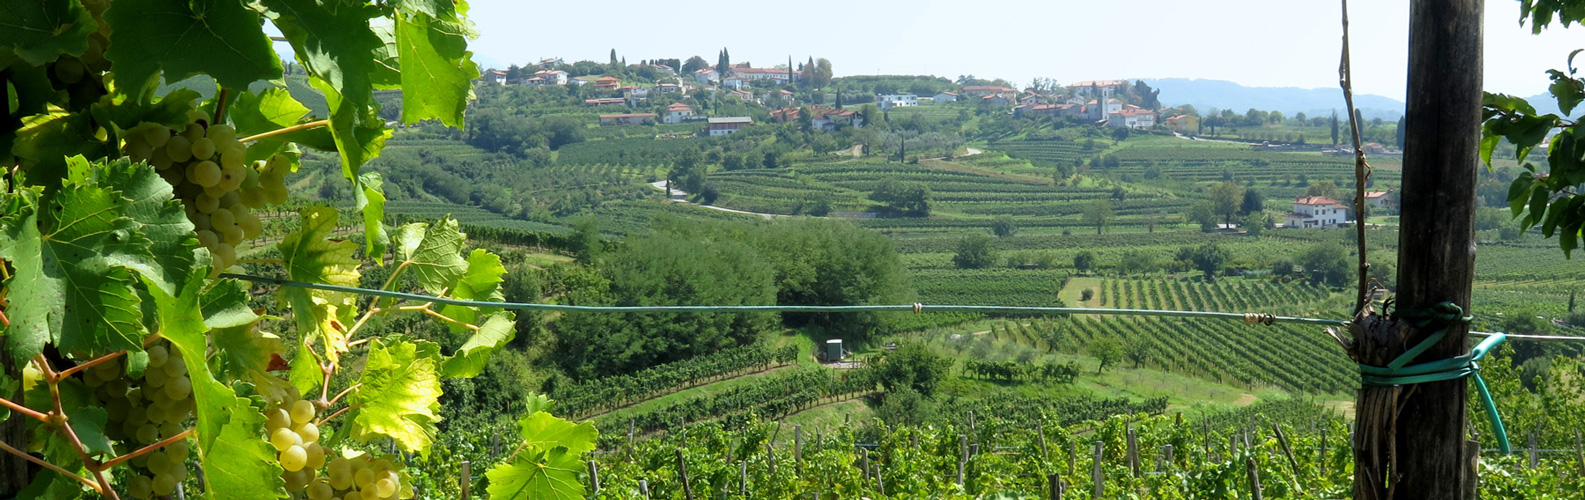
<point x="1399" y="130"/>
<point x="1147" y="97"/>
<point x="1084" y="261"/>
<point x="1254" y="202"/>
<point x="1106" y="349"/>
<point x="1282" y="267"/>
<point x="1204" y="214"/>
<point x="1334" y="127"/>
<point x="1003" y="226"/>
<point x="974" y="252"/>
<point x="1225" y="198"/>
<point x="613" y="57"/>
<point x="912" y="367"/>
<point x="1136" y="349"/>
<point x="1326" y="263"/>
<point x="820" y="76"/>
<point x="1120" y="134"/>
<point x="903" y="198"/>
<point x="905" y="406"/>
<point x="693" y="64"/>
<point x="1254" y="223"/>
<point x="1210" y="258"/>
<point x="1135" y="261"/>
<point x="1098" y="213"/>
<point x="1326" y="189"/>
<point x="723" y="63"/>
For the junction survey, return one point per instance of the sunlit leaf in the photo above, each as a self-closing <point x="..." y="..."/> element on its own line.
<point x="470" y="359"/>
<point x="546" y="474"/>
<point x="399" y="395"/>
<point x="437" y="70"/>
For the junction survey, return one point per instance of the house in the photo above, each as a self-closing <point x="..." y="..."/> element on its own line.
<point x="1131" y="117"/>
<point x="627" y="119"/>
<point x="667" y="88"/>
<point x="1093" y="110"/>
<point x="829" y="119"/>
<point x="997" y="100"/>
<point x="677" y="113"/>
<point x="550" y="77"/>
<point x="604" y="101"/>
<point x="745" y="95"/>
<point x="982" y="91"/>
<point x="538" y="80"/>
<point x="1098" y="89"/>
<point x="727" y="125"/>
<point x="584" y="80"/>
<point x="1043" y="109"/>
<point x="664" y="69"/>
<point x="945" y="97"/>
<point x="549" y="63"/>
<point x="1380" y="199"/>
<point x="1183" y="123"/>
<point x="889" y="101"/>
<point x="781" y="76"/>
<point x="706" y="76"/>
<point x="1033" y="99"/>
<point x="497" y="76"/>
<point x="784" y="115"/>
<point x="607" y="82"/>
<point x="734" y="83"/>
<point x="1316" y="211"/>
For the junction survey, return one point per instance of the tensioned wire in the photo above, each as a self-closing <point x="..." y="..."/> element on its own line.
<point x="1248" y="318"/>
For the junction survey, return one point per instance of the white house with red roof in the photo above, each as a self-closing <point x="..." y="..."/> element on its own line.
<point x="1099" y="89"/>
<point x="549" y="77"/>
<point x="781" y="76"/>
<point x="945" y="97"/>
<point x="497" y="76"/>
<point x="1131" y="117"/>
<point x="677" y="113"/>
<point x="985" y="90"/>
<point x="1316" y="211"/>
<point x="706" y="76"/>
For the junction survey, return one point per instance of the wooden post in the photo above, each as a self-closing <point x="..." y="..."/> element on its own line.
<point x="1323" y="444"/>
<point x="1287" y="451"/>
<point x="742" y="477"/>
<point x="1205" y="426"/>
<point x="770" y="458"/>
<point x="864" y="465"/>
<point x="630" y="432"/>
<point x="1421" y="429"/>
<point x="1133" y="451"/>
<point x="1166" y="455"/>
<point x="1040" y="430"/>
<point x="1534" y="455"/>
<point x="643" y="488"/>
<point x="1096" y="474"/>
<point x="682" y="473"/>
<point x="1054" y="483"/>
<point x="1471" y="486"/>
<point x="1579" y="452"/>
<point x="594" y="478"/>
<point x="798" y="449"/>
<point x="466" y="479"/>
<point x="1254" y="479"/>
<point x="495" y="444"/>
<point x="1073" y="453"/>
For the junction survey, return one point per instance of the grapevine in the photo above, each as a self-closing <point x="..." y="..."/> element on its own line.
<point x="143" y="372"/>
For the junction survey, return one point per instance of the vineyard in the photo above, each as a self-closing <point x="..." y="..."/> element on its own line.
<point x="605" y="394"/>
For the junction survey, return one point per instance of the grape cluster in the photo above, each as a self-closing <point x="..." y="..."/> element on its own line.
<point x="361" y="478"/>
<point x="206" y="165"/>
<point x="146" y="410"/>
<point x="291" y="430"/>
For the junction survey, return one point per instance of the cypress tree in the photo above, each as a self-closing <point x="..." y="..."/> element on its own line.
<point x="1334" y="127"/>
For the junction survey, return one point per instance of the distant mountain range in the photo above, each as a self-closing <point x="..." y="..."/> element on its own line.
<point x="1220" y="94"/>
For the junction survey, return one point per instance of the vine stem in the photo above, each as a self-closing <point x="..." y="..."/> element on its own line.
<point x="1345" y="75"/>
<point x="59" y="418"/>
<point x="286" y="130"/>
<point x="91" y="484"/>
<point x="344" y="393"/>
<point x="91" y="363"/>
<point x="220" y="106"/>
<point x="146" y="449"/>
<point x="334" y="415"/>
<point x="24" y="410"/>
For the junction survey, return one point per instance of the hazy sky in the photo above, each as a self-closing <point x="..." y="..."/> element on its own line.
<point x="1253" y="42"/>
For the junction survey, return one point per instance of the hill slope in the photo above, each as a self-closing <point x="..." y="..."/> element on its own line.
<point x="1205" y="94"/>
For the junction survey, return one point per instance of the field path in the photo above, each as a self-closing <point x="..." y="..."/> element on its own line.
<point x="679" y="196"/>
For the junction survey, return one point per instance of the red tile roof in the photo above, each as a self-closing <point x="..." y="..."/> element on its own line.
<point x="628" y="115"/>
<point x="1317" y="201"/>
<point x="679" y="107"/>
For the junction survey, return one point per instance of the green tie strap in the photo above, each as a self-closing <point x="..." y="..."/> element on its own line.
<point x="1397" y="373"/>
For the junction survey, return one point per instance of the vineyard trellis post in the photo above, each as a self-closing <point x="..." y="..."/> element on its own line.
<point x="682" y="473"/>
<point x="1096" y="474"/>
<point x="466" y="480"/>
<point x="1411" y="438"/>
<point x="1254" y="478"/>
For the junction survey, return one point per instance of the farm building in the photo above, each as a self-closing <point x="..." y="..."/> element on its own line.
<point x="727" y="125"/>
<point x="1316" y="211"/>
<point x="627" y="119"/>
<point x="678" y="112"/>
<point x="945" y="97"/>
<point x="1380" y="199"/>
<point x="549" y="77"/>
<point x="889" y="101"/>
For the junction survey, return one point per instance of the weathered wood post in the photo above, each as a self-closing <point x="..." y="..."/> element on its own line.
<point x="1534" y="455"/>
<point x="1073" y="453"/>
<point x="1579" y="452"/>
<point x="1287" y="451"/>
<point x="1040" y="430"/>
<point x="1254" y="479"/>
<point x="1096" y="474"/>
<point x="1412" y="440"/>
<point x="643" y="488"/>
<point x="1133" y="451"/>
<point x="798" y="449"/>
<point x="1166" y="457"/>
<point x="594" y="478"/>
<point x="1054" y="485"/>
<point x="682" y="473"/>
<point x="466" y="480"/>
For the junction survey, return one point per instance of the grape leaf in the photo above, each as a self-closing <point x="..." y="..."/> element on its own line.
<point x="399" y="395"/>
<point x="437" y="68"/>
<point x="481" y="282"/>
<point x="49" y="138"/>
<point x="39" y="31"/>
<point x="48" y="485"/>
<point x="369" y="199"/>
<point x="275" y="109"/>
<point x="436" y="262"/>
<point x="237" y="464"/>
<point x="544" y="431"/>
<point x="8" y="390"/>
<point x="225" y="305"/>
<point x="221" y="38"/>
<point x="551" y="474"/>
<point x="312" y="256"/>
<point x="440" y="9"/>
<point x="305" y="374"/>
<point x="470" y="359"/>
<point x="88" y="423"/>
<point x="341" y="51"/>
<point x="170" y="110"/>
<point x="243" y="352"/>
<point x="358" y="130"/>
<point x="148" y="200"/>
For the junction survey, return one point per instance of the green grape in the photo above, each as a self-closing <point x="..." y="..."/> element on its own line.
<point x="207" y="238"/>
<point x="295" y="480"/>
<point x="154" y="378"/>
<point x="68" y="70"/>
<point x="215" y="191"/>
<point x="207" y="204"/>
<point x="251" y="227"/>
<point x="202" y="221"/>
<point x="158" y="355"/>
<point x="222" y="134"/>
<point x="276" y="195"/>
<point x="139" y="151"/>
<point x="171" y="427"/>
<point x="319" y="490"/>
<point x="221" y="220"/>
<point x="233" y="158"/>
<point x="159" y="158"/>
<point x="352" y="495"/>
<point x="148" y="434"/>
<point x="309" y="432"/>
<point x="232" y="236"/>
<point x="180" y="451"/>
<point x="276" y="419"/>
<point x="179" y="388"/>
<point x="164" y="484"/>
<point x="231" y="177"/>
<point x="141" y="487"/>
<point x="254" y="197"/>
<point x="385" y="487"/>
<point x="159" y="463"/>
<point x="195" y="130"/>
<point x="157" y="135"/>
<point x="302" y="411"/>
<point x="316" y="456"/>
<point x="340" y="479"/>
<point x="364" y="478"/>
<point x="174" y="176"/>
<point x="224" y="254"/>
<point x="204" y="173"/>
<point x="176" y="367"/>
<point x="283" y="438"/>
<point x="179" y="149"/>
<point x="293" y="458"/>
<point x="368" y="494"/>
<point x="203" y="148"/>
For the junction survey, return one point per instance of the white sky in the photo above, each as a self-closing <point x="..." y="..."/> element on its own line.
<point x="1282" y="43"/>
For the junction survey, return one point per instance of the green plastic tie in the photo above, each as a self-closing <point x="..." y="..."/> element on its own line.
<point x="1399" y="372"/>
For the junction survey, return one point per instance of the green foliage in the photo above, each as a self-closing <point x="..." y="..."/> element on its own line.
<point x="912" y="367"/>
<point x="1003" y="226"/>
<point x="1326" y="263"/>
<point x="1209" y="258"/>
<point x="1107" y="350"/>
<point x="903" y="198"/>
<point x="1084" y="261"/>
<point x="974" y="252"/>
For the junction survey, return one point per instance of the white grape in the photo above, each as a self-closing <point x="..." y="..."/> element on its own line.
<point x="195" y="131"/>
<point x="316" y="456"/>
<point x="221" y="133"/>
<point x="140" y="486"/>
<point x="231" y="177"/>
<point x="207" y="204"/>
<point x="172" y="426"/>
<point x="207" y="238"/>
<point x="302" y="411"/>
<point x="217" y="191"/>
<point x="179" y="149"/>
<point x="159" y="463"/>
<point x="158" y="355"/>
<point x="222" y="220"/>
<point x="233" y="236"/>
<point x="251" y="226"/>
<point x="309" y="432"/>
<point x="203" y="148"/>
<point x="368" y="494"/>
<point x="283" y="439"/>
<point x="385" y="487"/>
<point x="293" y="458"/>
<point x="364" y="478"/>
<point x="179" y="388"/>
<point x="276" y="419"/>
<point x="224" y="254"/>
<point x="164" y="484"/>
<point x="176" y="367"/>
<point x="157" y="135"/>
<point x="276" y="195"/>
<point x="295" y="480"/>
<point x="319" y="490"/>
<point x="204" y="173"/>
<point x="254" y="197"/>
<point x="340" y="479"/>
